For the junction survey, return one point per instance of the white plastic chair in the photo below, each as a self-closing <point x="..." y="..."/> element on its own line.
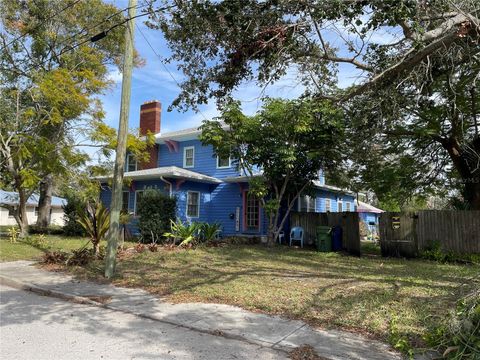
<point x="281" y="237"/>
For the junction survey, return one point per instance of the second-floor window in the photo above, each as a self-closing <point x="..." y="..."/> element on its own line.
<point x="131" y="163"/>
<point x="306" y="204"/>
<point x="188" y="157"/>
<point x="223" y="163"/>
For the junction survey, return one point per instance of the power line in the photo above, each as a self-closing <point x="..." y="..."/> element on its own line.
<point x="95" y="37"/>
<point x="163" y="64"/>
<point x="43" y="22"/>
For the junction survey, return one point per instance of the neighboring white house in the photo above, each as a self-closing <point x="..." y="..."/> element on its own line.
<point x="11" y="198"/>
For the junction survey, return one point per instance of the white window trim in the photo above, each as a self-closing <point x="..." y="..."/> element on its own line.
<point x="310" y="198"/>
<point x="185" y="157"/>
<point x="224" y="167"/>
<point x="128" y="163"/>
<point x="339" y="203"/>
<point x="348" y="206"/>
<point x="198" y="207"/>
<point x="329" y="208"/>
<point x="135" y="205"/>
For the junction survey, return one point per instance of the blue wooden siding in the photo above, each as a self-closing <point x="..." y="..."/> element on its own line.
<point x="225" y="198"/>
<point x="205" y="162"/>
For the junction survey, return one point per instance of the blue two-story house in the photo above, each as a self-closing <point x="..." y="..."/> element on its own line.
<point x="208" y="188"/>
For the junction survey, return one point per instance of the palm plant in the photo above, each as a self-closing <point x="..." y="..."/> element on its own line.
<point x="210" y="232"/>
<point x="95" y="220"/>
<point x="186" y="233"/>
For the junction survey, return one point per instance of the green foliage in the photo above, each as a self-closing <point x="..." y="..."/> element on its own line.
<point x="280" y="149"/>
<point x="13" y="234"/>
<point x="50" y="230"/>
<point x="95" y="220"/>
<point x="458" y="337"/>
<point x="185" y="234"/>
<point x="209" y="232"/>
<point x="71" y="215"/>
<point x="399" y="341"/>
<point x="155" y="210"/>
<point x="435" y="252"/>
<point x="38" y="241"/>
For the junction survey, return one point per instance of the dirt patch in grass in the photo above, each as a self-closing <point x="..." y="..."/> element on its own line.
<point x="368" y="295"/>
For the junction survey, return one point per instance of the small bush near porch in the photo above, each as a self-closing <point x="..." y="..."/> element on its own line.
<point x="392" y="299"/>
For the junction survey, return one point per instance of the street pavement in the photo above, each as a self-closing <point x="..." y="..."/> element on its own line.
<point x="40" y="327"/>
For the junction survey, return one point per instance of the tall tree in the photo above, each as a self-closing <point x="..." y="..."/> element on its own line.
<point x="48" y="59"/>
<point x="280" y="150"/>
<point x="408" y="46"/>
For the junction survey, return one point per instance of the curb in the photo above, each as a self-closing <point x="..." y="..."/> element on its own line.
<point x="86" y="301"/>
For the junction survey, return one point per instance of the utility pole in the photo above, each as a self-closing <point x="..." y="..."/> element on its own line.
<point x="117" y="183"/>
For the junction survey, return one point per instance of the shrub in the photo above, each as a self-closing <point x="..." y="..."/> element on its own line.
<point x="95" y="220"/>
<point x="155" y="210"/>
<point x="184" y="233"/>
<point x="434" y="252"/>
<point x="50" y="229"/>
<point x="38" y="241"/>
<point x="209" y="232"/>
<point x="458" y="337"/>
<point x="71" y="215"/>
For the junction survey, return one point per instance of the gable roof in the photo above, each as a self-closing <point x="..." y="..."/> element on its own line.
<point x="367" y="208"/>
<point x="166" y="171"/>
<point x="182" y="135"/>
<point x="11" y="198"/>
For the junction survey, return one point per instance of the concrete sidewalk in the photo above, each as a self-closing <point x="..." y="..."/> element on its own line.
<point x="221" y="320"/>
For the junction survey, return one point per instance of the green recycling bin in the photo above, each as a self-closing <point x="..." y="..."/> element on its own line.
<point x="324" y="238"/>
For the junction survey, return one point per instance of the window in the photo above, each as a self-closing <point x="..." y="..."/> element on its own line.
<point x="347" y="206"/>
<point x="36" y="211"/>
<point x="138" y="196"/>
<point x="340" y="205"/>
<point x="327" y="205"/>
<point x="125" y="200"/>
<point x="188" y="157"/>
<point x="11" y="212"/>
<point x="252" y="212"/>
<point x="193" y="204"/>
<point x="306" y="204"/>
<point x="223" y="163"/>
<point x="131" y="164"/>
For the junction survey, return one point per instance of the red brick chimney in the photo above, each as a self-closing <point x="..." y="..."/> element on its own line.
<point x="150" y="118"/>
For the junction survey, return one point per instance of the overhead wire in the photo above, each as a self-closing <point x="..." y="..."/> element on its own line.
<point x="163" y="64"/>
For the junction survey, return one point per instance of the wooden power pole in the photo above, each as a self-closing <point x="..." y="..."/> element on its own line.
<point x="117" y="183"/>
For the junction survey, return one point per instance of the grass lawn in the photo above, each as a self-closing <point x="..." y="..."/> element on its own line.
<point x="25" y="250"/>
<point x="327" y="290"/>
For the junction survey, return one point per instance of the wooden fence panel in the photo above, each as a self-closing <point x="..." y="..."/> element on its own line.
<point x="453" y="230"/>
<point x="348" y="221"/>
<point x="397" y="234"/>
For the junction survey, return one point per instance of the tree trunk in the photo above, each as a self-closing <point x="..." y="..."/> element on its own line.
<point x="466" y="161"/>
<point x="45" y="201"/>
<point x="21" y="214"/>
